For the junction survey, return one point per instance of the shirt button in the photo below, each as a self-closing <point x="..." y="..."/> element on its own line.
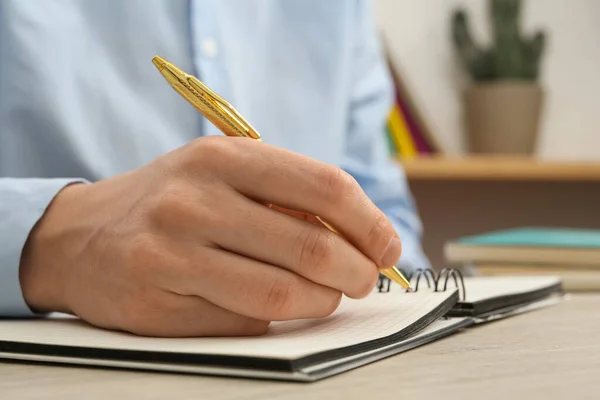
<point x="209" y="47"/>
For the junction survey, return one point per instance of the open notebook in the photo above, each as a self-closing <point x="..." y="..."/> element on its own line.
<point x="387" y="322"/>
<point x="359" y="332"/>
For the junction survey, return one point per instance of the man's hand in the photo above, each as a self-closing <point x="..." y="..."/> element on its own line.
<point x="185" y="245"/>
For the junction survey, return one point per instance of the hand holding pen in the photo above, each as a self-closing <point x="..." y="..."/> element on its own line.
<point x="232" y="123"/>
<point x="185" y="246"/>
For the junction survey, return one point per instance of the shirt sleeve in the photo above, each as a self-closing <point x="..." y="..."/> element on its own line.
<point x="22" y="203"/>
<point x="367" y="157"/>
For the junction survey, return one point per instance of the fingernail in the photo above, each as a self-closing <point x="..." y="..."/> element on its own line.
<point x="392" y="253"/>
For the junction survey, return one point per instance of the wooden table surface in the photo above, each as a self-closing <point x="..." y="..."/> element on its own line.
<point x="552" y="353"/>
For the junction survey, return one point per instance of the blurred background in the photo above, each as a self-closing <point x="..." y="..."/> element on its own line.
<point x="497" y="119"/>
<point x="420" y="43"/>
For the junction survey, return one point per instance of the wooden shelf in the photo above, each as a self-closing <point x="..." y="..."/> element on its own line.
<point x="499" y="168"/>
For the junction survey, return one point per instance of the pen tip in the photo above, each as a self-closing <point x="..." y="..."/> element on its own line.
<point x="159" y="62"/>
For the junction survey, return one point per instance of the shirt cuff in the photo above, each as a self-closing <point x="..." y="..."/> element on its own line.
<point x="22" y="204"/>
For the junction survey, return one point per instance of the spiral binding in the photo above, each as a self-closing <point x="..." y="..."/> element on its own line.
<point x="383" y="284"/>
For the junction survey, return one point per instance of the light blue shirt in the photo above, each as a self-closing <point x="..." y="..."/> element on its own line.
<point x="81" y="100"/>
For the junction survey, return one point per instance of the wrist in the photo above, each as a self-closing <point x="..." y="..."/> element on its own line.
<point x="45" y="258"/>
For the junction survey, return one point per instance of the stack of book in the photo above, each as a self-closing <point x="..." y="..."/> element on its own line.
<point x="572" y="254"/>
<point x="407" y="132"/>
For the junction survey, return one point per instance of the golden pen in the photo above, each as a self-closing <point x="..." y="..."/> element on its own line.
<point x="225" y="117"/>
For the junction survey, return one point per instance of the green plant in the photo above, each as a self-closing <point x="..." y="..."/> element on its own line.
<point x="510" y="56"/>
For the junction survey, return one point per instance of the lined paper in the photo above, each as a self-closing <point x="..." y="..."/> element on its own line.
<point x="355" y="321"/>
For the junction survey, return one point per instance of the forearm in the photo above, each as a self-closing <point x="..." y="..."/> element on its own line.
<point x="22" y="203"/>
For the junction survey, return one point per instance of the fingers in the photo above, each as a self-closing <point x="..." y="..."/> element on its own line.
<point x="173" y="315"/>
<point x="251" y="288"/>
<point x="300" y="246"/>
<point x="266" y="173"/>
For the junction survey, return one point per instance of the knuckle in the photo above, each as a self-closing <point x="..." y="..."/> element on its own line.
<point x="279" y="300"/>
<point x="316" y="250"/>
<point x="211" y="149"/>
<point x="336" y="183"/>
<point x="379" y="233"/>
<point x="167" y="199"/>
<point x="214" y="158"/>
<point x="170" y="204"/>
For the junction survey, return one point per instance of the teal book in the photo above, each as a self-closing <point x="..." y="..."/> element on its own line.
<point x="538" y="237"/>
<point x="531" y="245"/>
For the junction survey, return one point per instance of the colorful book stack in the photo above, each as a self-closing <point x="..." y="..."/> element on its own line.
<point x="407" y="133"/>
<point x="406" y="139"/>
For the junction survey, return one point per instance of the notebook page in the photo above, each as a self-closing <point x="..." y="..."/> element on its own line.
<point x="485" y="287"/>
<point x="355" y="321"/>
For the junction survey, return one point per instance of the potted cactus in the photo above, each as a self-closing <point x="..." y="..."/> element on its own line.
<point x="503" y="104"/>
